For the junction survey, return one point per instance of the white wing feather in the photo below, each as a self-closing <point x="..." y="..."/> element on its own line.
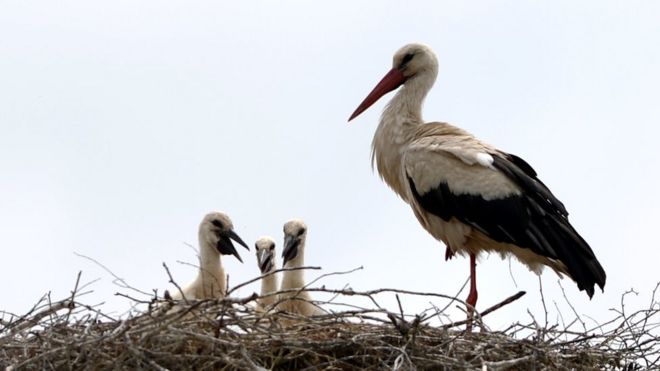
<point x="431" y="160"/>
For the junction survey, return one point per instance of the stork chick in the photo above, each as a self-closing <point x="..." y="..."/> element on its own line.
<point x="215" y="234"/>
<point x="295" y="234"/>
<point x="266" y="259"/>
<point x="466" y="193"/>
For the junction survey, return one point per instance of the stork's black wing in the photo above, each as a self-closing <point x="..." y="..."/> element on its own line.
<point x="532" y="218"/>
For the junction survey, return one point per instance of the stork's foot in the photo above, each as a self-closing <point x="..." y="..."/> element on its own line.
<point x="449" y="253"/>
<point x="471" y="304"/>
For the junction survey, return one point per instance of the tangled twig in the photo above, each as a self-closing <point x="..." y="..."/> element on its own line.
<point x="228" y="333"/>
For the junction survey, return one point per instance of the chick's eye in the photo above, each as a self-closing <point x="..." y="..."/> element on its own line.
<point x="216" y="223"/>
<point x="300" y="232"/>
<point x="271" y="247"/>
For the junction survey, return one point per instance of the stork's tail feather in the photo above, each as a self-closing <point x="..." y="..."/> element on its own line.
<point x="575" y="253"/>
<point x="550" y="233"/>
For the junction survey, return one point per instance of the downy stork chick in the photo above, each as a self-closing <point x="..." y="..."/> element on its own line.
<point x="266" y="259"/>
<point x="466" y="193"/>
<point x="215" y="234"/>
<point x="293" y="253"/>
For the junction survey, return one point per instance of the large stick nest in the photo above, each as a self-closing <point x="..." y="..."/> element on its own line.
<point x="230" y="334"/>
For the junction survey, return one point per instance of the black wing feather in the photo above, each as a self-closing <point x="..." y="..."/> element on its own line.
<point x="534" y="220"/>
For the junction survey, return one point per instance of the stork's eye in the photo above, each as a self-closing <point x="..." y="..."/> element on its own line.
<point x="407" y="58"/>
<point x="216" y="223"/>
<point x="301" y="231"/>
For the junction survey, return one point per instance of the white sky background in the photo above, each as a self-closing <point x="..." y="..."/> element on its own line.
<point x="122" y="123"/>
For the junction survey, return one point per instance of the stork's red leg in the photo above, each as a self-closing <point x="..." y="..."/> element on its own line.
<point x="472" y="297"/>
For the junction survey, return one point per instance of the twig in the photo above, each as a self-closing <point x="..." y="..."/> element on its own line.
<point x="511" y="274"/>
<point x="333" y="274"/>
<point x="227" y="333"/>
<point x="489" y="310"/>
<point x="459" y="291"/>
<point x="73" y="297"/>
<point x="173" y="282"/>
<point x="507" y="363"/>
<point x="35" y="318"/>
<point x="267" y="275"/>
<point x="577" y="316"/>
<point x="123" y="284"/>
<point x="545" y="309"/>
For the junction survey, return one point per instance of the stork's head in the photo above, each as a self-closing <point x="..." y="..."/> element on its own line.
<point x="295" y="232"/>
<point x="216" y="230"/>
<point x="265" y="247"/>
<point x="413" y="62"/>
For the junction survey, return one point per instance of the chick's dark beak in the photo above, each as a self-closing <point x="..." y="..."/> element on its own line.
<point x="290" y="248"/>
<point x="226" y="247"/>
<point x="236" y="238"/>
<point x="265" y="260"/>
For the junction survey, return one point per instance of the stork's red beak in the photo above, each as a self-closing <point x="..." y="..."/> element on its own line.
<point x="391" y="81"/>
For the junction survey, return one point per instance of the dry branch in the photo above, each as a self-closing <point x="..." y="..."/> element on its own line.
<point x="229" y="334"/>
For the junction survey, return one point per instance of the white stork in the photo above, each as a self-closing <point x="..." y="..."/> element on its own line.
<point x="295" y="234"/>
<point x="215" y="234"/>
<point x="266" y="259"/>
<point x="466" y="193"/>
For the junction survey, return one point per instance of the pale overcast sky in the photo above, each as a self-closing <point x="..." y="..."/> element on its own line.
<point x="122" y="123"/>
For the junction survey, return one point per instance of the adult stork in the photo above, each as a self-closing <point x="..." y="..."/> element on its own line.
<point x="466" y="193"/>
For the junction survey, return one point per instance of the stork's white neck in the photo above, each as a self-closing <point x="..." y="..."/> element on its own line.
<point x="269" y="284"/>
<point x="295" y="279"/>
<point x="211" y="272"/>
<point x="401" y="117"/>
<point x="407" y="102"/>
